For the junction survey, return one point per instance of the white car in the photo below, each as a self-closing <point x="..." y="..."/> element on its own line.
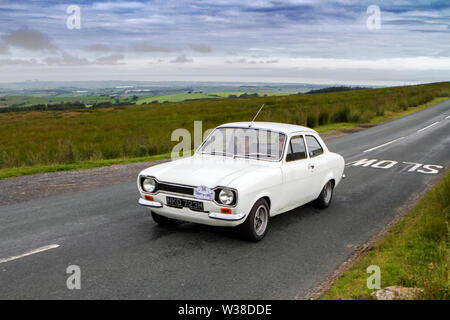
<point x="243" y="174"/>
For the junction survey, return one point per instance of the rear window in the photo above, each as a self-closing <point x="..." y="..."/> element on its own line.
<point x="314" y="146"/>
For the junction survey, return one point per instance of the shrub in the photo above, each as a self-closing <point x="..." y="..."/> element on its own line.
<point x="311" y="121"/>
<point x="341" y="115"/>
<point x="324" y="118"/>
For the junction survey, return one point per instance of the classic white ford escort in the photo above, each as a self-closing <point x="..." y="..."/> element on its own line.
<point x="241" y="175"/>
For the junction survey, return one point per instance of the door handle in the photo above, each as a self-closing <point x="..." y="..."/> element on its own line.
<point x="311" y="166"/>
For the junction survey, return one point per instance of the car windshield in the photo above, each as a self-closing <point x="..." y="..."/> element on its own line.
<point x="250" y="143"/>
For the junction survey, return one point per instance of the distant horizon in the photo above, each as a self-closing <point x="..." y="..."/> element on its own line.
<point x="206" y="82"/>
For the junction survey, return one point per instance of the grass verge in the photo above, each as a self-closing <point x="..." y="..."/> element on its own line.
<point x="348" y="126"/>
<point x="80" y="165"/>
<point x="415" y="253"/>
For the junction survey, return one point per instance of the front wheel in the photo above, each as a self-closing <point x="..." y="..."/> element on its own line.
<point x="255" y="226"/>
<point x="325" y="196"/>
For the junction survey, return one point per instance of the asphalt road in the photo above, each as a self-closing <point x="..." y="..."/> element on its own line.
<point x="123" y="254"/>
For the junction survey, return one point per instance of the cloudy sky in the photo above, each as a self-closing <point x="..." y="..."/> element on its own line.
<point x="314" y="41"/>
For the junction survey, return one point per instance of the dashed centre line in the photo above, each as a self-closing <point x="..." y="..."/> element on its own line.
<point x="29" y="253"/>
<point x="433" y="124"/>
<point x="385" y="144"/>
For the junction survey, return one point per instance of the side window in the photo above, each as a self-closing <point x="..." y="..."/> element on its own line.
<point x="296" y="149"/>
<point x="314" y="147"/>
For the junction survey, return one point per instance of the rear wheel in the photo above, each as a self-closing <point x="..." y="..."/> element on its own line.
<point x="325" y="196"/>
<point x="163" y="221"/>
<point x="255" y="226"/>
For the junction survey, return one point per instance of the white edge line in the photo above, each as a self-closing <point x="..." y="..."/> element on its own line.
<point x="385" y="144"/>
<point x="428" y="126"/>
<point x="447" y="117"/>
<point x="29" y="253"/>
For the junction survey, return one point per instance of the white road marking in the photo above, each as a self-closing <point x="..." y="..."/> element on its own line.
<point x="447" y="117"/>
<point x="29" y="253"/>
<point x="385" y="144"/>
<point x="428" y="126"/>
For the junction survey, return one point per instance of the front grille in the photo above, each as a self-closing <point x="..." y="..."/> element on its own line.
<point x="174" y="188"/>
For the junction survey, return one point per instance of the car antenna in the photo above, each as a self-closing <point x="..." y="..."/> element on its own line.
<point x="256" y="116"/>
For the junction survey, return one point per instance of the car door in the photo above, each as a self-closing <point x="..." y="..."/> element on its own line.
<point x="316" y="164"/>
<point x="296" y="175"/>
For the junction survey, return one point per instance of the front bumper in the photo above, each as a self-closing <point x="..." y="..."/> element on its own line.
<point x="151" y="204"/>
<point x="211" y="216"/>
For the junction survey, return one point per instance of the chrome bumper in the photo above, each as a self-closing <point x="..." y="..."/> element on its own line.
<point x="151" y="204"/>
<point x="212" y="215"/>
<point x="229" y="217"/>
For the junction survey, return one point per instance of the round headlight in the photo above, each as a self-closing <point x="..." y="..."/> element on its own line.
<point x="226" y="196"/>
<point x="149" y="185"/>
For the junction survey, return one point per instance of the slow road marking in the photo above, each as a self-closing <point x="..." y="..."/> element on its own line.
<point x="388" y="164"/>
<point x="29" y="253"/>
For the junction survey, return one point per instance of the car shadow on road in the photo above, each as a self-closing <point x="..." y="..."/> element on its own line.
<point x="277" y="224"/>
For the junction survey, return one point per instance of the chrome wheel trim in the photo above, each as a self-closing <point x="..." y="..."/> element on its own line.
<point x="260" y="220"/>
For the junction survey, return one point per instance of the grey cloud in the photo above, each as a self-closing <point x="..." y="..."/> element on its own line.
<point x="98" y="48"/>
<point x="181" y="59"/>
<point x="112" y="59"/>
<point x="29" y="40"/>
<point x="151" y="48"/>
<point x="200" y="48"/>
<point x="66" y="59"/>
<point x="4" y="49"/>
<point x="244" y="60"/>
<point x="17" y="62"/>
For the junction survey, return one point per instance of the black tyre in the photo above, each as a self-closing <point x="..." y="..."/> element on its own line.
<point x="325" y="196"/>
<point x="163" y="221"/>
<point x="255" y="226"/>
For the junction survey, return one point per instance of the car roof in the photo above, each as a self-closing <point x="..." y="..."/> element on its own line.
<point x="273" y="126"/>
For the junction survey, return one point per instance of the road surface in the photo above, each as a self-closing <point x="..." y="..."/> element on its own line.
<point x="123" y="254"/>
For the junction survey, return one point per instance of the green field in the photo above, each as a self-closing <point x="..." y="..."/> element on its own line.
<point x="29" y="100"/>
<point x="38" y="138"/>
<point x="416" y="253"/>
<point x="178" y="97"/>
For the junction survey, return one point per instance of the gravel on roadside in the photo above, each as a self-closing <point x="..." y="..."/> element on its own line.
<point x="41" y="185"/>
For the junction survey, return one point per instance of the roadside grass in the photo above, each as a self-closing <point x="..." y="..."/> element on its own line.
<point x="81" y="165"/>
<point x="415" y="253"/>
<point x="72" y="137"/>
<point x="349" y="126"/>
<point x="387" y="116"/>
